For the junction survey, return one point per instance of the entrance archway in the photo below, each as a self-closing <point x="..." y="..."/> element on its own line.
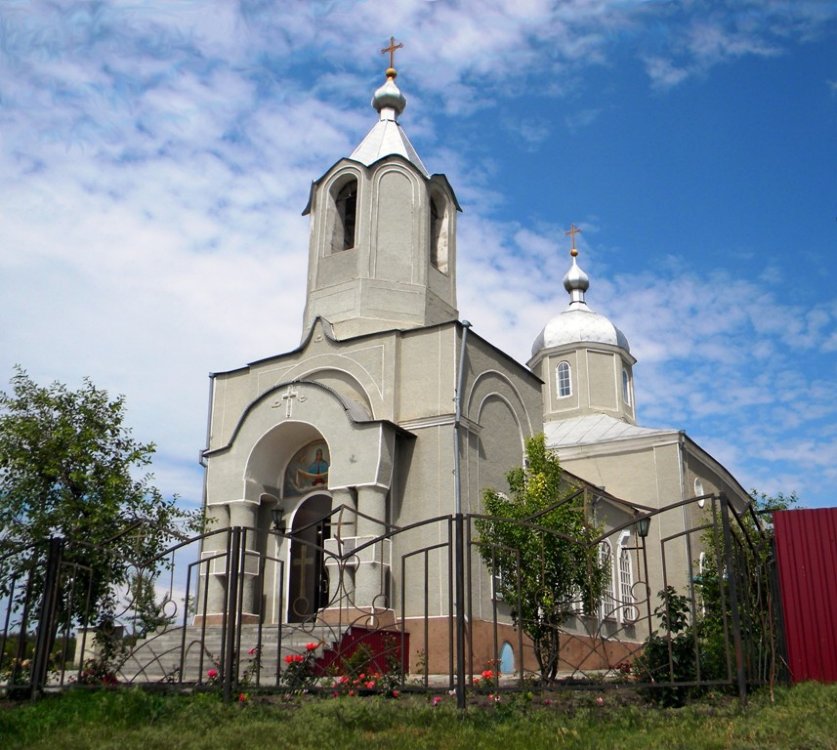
<point x="308" y="579"/>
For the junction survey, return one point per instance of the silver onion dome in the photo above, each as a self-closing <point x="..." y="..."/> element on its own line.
<point x="578" y="323"/>
<point x="389" y="96"/>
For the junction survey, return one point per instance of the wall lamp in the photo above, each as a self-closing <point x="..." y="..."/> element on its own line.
<point x="643" y="525"/>
<point x="277" y="515"/>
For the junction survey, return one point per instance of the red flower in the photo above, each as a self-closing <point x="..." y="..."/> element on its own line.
<point x="242" y="697"/>
<point x="212" y="673"/>
<point x="488" y="675"/>
<point x="252" y="651"/>
<point x="370" y="684"/>
<point x="311" y="646"/>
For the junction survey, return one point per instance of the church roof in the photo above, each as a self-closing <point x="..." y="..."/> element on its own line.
<point x="578" y="323"/>
<point x="593" y="428"/>
<point x="387" y="137"/>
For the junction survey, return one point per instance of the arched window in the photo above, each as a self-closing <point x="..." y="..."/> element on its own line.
<point x="626" y="386"/>
<point x="626" y="583"/>
<point x="606" y="561"/>
<point x="565" y="386"/>
<point x="345" y="215"/>
<point x="699" y="491"/>
<point x="438" y="234"/>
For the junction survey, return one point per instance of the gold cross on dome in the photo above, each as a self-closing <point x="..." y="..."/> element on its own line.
<point x="391" y="49"/>
<point x="572" y="232"/>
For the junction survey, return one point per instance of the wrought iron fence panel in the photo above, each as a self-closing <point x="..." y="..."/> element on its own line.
<point x="434" y="605"/>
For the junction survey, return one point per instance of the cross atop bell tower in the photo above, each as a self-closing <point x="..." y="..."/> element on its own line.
<point x="391" y="49"/>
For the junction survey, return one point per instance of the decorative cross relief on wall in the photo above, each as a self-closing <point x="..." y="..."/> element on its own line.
<point x="288" y="400"/>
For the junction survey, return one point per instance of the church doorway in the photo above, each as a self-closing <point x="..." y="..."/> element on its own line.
<point x="308" y="584"/>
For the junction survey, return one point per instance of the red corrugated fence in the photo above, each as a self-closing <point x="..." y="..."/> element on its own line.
<point x="806" y="557"/>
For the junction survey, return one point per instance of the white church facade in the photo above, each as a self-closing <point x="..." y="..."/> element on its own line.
<point x="392" y="413"/>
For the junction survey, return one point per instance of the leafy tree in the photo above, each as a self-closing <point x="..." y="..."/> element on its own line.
<point x="538" y="544"/>
<point x="69" y="468"/>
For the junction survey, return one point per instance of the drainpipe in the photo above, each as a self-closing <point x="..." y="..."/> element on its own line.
<point x="457" y="420"/>
<point x="202" y="455"/>
<point x="459" y="540"/>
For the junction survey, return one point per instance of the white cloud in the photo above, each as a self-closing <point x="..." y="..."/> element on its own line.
<point x="664" y="73"/>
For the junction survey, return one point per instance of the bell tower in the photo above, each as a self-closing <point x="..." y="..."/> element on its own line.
<point x="382" y="252"/>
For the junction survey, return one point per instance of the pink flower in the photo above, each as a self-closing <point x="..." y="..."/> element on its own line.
<point x="252" y="651"/>
<point x="311" y="646"/>
<point x="600" y="701"/>
<point x="437" y="699"/>
<point x="369" y="684"/>
<point x="212" y="673"/>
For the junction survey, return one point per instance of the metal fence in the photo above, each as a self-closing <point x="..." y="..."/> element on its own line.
<point x="423" y="607"/>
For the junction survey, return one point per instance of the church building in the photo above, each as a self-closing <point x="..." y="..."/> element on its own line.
<point x="392" y="414"/>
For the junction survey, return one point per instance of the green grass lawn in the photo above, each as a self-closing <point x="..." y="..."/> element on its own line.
<point x="801" y="717"/>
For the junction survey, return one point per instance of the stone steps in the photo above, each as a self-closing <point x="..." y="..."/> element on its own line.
<point x="157" y="658"/>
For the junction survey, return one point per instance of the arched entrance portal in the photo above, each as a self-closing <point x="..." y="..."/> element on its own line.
<point x="308" y="584"/>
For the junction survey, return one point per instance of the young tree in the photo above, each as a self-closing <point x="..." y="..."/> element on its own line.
<point x="751" y="557"/>
<point x="538" y="545"/>
<point x="695" y="638"/>
<point x="68" y="468"/>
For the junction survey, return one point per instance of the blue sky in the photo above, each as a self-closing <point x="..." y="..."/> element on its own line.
<point x="156" y="158"/>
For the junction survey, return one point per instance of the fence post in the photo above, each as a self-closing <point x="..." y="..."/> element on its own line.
<point x="732" y="574"/>
<point x="231" y="615"/>
<point x="459" y="560"/>
<point x="46" y="616"/>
